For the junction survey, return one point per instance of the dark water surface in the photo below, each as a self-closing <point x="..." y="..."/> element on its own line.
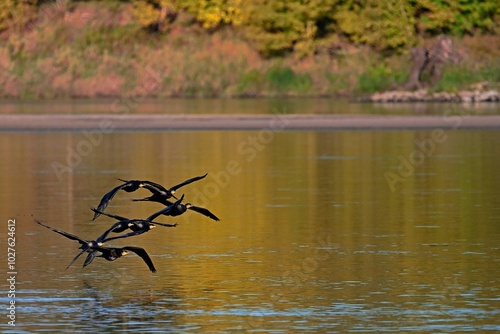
<point x="347" y="231"/>
<point x="137" y="105"/>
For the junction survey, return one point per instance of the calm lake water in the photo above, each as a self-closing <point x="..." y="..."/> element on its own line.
<point x="340" y="231"/>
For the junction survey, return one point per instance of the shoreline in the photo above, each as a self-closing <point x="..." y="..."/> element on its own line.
<point x="421" y="96"/>
<point x="290" y="122"/>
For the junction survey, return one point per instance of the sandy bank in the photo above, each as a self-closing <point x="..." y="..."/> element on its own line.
<point x="109" y="123"/>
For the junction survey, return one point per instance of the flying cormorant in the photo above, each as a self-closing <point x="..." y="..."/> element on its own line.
<point x="129" y="186"/>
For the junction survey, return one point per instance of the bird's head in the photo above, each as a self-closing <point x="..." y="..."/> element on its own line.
<point x="172" y="192"/>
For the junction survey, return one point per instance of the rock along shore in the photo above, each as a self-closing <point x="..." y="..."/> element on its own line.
<point x="474" y="96"/>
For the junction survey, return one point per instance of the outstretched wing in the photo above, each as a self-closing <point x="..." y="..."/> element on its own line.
<point x="76" y="257"/>
<point x="191" y="180"/>
<point x="116" y="227"/>
<point x="126" y="235"/>
<point x="89" y="258"/>
<point x="109" y="196"/>
<point x="204" y="212"/>
<point x="154" y="188"/>
<point x="98" y="212"/>
<point x="66" y="234"/>
<point x="166" y="225"/>
<point x="165" y="210"/>
<point x="144" y="255"/>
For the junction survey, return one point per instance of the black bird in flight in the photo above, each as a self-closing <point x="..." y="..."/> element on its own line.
<point x="92" y="245"/>
<point x="113" y="253"/>
<point x="177" y="209"/>
<point x="156" y="189"/>
<point x="139" y="226"/>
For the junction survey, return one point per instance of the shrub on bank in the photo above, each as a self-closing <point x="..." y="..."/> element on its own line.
<point x="91" y="50"/>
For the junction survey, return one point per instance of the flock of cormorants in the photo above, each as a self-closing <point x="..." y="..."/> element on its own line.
<point x="95" y="248"/>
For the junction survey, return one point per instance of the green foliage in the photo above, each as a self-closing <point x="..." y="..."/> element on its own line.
<point x="305" y="26"/>
<point x="210" y="13"/>
<point x="276" y="80"/>
<point x="379" y="78"/>
<point x="112" y="40"/>
<point x="280" y="26"/>
<point x="283" y="79"/>
<point x="456" y="16"/>
<point x="338" y="82"/>
<point x="381" y="24"/>
<point x="218" y="62"/>
<point x="213" y="13"/>
<point x="154" y="14"/>
<point x="250" y="82"/>
<point x="457" y="77"/>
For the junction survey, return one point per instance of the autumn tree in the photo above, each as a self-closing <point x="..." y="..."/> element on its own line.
<point x="456" y="17"/>
<point x="16" y="13"/>
<point x="209" y="13"/>
<point x="380" y="24"/>
<point x="280" y="26"/>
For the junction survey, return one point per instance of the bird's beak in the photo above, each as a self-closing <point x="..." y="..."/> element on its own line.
<point x="153" y="226"/>
<point x="124" y="253"/>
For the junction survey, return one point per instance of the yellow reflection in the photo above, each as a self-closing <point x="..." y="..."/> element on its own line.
<point x="303" y="214"/>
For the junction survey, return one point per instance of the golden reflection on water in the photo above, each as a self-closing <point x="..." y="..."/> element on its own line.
<point x="309" y="225"/>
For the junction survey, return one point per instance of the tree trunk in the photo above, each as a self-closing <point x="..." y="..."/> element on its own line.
<point x="428" y="63"/>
